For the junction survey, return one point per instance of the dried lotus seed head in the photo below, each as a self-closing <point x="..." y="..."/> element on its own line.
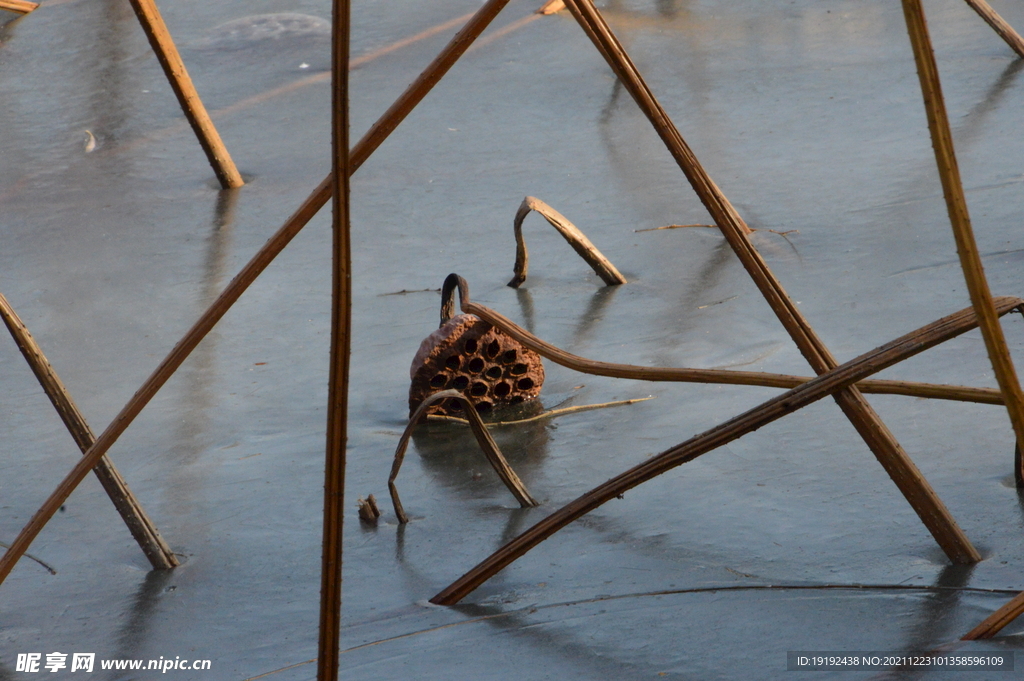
<point x="469" y="355"/>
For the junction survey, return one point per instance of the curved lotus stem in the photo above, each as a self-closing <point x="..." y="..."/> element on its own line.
<point x="577" y="239"/>
<point x="452" y="282"/>
<point x="1004" y="304"/>
<point x="486" y="442"/>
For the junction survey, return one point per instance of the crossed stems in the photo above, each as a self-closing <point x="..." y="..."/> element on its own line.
<point x="373" y="138"/>
<point x="828" y="383"/>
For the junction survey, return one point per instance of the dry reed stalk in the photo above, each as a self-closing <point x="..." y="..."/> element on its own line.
<point x="174" y="68"/>
<point x="49" y="568"/>
<point x="995" y="622"/>
<point x="1004" y="305"/>
<point x="142" y="528"/>
<point x="729" y="377"/>
<point x="956" y="205"/>
<point x="18" y="6"/>
<point x="548" y="414"/>
<point x="577" y="239"/>
<point x="876" y="435"/>
<point x="341" y="342"/>
<point x="693" y="226"/>
<point x="259" y="262"/>
<point x="999" y="25"/>
<point x="931" y="391"/>
<point x="368" y="511"/>
<point x="828" y="383"/>
<point x="483" y="438"/>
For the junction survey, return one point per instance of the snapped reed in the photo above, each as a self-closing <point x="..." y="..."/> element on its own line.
<point x="570" y="232"/>
<point x="487" y="445"/>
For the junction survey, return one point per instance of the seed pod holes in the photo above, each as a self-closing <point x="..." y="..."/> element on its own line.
<point x="467" y="354"/>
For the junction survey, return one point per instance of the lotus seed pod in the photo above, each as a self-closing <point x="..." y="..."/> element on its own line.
<point x="467" y="354"/>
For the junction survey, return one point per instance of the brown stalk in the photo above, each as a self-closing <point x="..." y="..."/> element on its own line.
<point x="956" y="205"/>
<point x="876" y="435"/>
<point x="483" y="438"/>
<point x="368" y="511"/>
<point x="970" y="261"/>
<point x="142" y="528"/>
<point x="828" y="383"/>
<point x="341" y="343"/>
<point x="729" y="377"/>
<point x="932" y="391"/>
<point x="18" y="6"/>
<point x="999" y="25"/>
<point x="174" y="68"/>
<point x="46" y="566"/>
<point x="362" y="151"/>
<point x="995" y="622"/>
<point x="548" y="414"/>
<point x="577" y="239"/>
<point x="1005" y="304"/>
<point x="694" y="226"/>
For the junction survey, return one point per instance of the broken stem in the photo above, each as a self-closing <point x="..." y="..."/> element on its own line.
<point x="483" y="438"/>
<point x="577" y="239"/>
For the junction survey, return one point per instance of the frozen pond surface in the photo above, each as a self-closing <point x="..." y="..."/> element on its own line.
<point x="807" y="114"/>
